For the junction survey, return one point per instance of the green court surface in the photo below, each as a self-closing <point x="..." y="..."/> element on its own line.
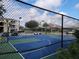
<point x="6" y="47"/>
<point x="23" y="41"/>
<point x="11" y="56"/>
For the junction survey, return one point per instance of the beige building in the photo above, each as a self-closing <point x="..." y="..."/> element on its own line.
<point x="9" y="25"/>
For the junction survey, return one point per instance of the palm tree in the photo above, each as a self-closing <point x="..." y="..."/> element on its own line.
<point x="45" y="25"/>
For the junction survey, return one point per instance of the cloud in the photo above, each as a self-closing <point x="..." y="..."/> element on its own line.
<point x="56" y="19"/>
<point x="63" y="13"/>
<point x="71" y="23"/>
<point x="77" y="6"/>
<point x="16" y="10"/>
<point x="48" y="4"/>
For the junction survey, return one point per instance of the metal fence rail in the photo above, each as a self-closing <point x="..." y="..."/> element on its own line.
<point x="12" y="52"/>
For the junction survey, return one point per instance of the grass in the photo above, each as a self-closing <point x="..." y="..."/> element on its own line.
<point x="52" y="33"/>
<point x="23" y="41"/>
<point x="6" y="47"/>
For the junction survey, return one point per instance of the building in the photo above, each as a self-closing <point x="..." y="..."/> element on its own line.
<point x="9" y="25"/>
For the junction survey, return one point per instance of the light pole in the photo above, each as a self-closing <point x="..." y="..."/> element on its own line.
<point x="20" y="19"/>
<point x="41" y="24"/>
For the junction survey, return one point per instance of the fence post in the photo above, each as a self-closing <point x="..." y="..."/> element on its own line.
<point x="62" y="19"/>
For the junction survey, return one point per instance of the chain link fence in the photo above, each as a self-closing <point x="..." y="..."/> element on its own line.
<point x="34" y="32"/>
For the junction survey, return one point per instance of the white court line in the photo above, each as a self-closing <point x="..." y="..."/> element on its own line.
<point x="33" y="51"/>
<point x="49" y="42"/>
<point x="36" y="49"/>
<point x="16" y="50"/>
<point x="50" y="55"/>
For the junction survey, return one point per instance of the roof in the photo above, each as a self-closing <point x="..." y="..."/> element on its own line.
<point x="7" y="19"/>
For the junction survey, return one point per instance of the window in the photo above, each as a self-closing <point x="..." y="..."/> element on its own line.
<point x="1" y="23"/>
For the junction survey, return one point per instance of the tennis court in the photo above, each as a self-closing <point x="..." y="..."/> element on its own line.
<point x="53" y="28"/>
<point x="32" y="46"/>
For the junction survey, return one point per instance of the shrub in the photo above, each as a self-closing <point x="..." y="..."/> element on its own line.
<point x="72" y="51"/>
<point x="5" y="34"/>
<point x="76" y="34"/>
<point x="14" y="34"/>
<point x="3" y="40"/>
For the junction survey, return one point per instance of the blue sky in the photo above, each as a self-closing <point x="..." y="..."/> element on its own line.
<point x="68" y="7"/>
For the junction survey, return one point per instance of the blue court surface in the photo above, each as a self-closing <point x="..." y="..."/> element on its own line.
<point x="44" y="45"/>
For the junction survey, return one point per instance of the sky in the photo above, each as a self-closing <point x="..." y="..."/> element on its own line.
<point x="68" y="7"/>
